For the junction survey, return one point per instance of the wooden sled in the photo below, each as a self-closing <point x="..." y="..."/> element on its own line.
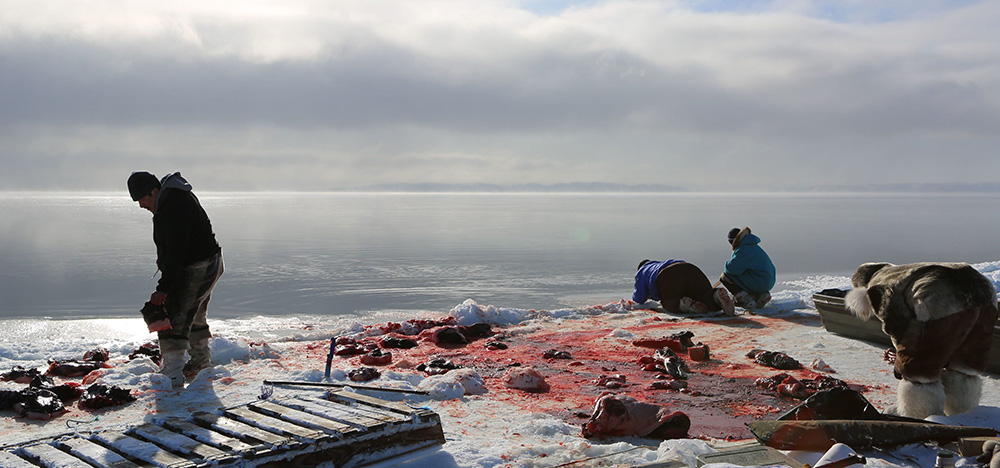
<point x="349" y="430"/>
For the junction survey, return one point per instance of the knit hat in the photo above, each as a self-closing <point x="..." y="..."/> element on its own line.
<point x="732" y="234"/>
<point x="141" y="183"/>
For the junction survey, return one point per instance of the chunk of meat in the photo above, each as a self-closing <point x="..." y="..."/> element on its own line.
<point x="622" y="416"/>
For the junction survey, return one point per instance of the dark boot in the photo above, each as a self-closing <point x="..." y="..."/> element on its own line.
<point x="201" y="358"/>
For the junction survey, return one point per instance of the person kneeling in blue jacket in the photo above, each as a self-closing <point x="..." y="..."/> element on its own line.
<point x="680" y="287"/>
<point x="749" y="273"/>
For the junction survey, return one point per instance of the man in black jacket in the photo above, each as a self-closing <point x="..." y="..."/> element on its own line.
<point x="190" y="261"/>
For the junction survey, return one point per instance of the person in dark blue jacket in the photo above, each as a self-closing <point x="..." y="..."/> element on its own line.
<point x="749" y="274"/>
<point x="680" y="287"/>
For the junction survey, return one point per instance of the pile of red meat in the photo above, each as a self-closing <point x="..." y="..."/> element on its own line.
<point x="406" y="335"/>
<point x="43" y="399"/>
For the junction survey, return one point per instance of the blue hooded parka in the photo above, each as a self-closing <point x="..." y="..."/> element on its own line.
<point x="750" y="267"/>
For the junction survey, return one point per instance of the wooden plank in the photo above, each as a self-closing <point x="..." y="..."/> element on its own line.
<point x="359" y="398"/>
<point x="180" y="443"/>
<point x="208" y="436"/>
<point x="351" y="397"/>
<point x="369" y="416"/>
<point x="302" y="418"/>
<point x="96" y="454"/>
<point x="262" y="421"/>
<point x="142" y="450"/>
<point x="50" y="456"/>
<point x="345" y="414"/>
<point x="9" y="460"/>
<point x="363" y="417"/>
<point x="240" y="430"/>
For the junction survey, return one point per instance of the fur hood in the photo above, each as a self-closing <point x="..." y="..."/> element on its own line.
<point x="745" y="237"/>
<point x="923" y="291"/>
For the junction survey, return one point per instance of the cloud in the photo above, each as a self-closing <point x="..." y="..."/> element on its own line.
<point x="317" y="95"/>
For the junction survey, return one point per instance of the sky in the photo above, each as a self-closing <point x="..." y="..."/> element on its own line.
<point x="335" y="95"/>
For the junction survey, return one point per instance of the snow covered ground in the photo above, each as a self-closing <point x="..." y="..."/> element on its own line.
<point x="481" y="430"/>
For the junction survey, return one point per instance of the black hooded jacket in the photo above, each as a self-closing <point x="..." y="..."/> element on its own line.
<point x="182" y="231"/>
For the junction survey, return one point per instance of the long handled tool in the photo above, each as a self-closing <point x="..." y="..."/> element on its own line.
<point x="340" y="385"/>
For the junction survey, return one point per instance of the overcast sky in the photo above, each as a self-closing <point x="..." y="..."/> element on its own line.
<point x="330" y="94"/>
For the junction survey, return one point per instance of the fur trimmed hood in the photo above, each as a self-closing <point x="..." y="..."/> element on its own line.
<point x="922" y="291"/>
<point x="745" y="237"/>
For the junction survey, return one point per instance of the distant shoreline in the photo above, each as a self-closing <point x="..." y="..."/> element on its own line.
<point x="603" y="188"/>
<point x="661" y="188"/>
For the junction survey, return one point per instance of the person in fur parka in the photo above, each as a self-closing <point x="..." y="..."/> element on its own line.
<point x="940" y="317"/>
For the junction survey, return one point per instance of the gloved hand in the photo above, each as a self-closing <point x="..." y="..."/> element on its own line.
<point x="155" y="316"/>
<point x="158" y="298"/>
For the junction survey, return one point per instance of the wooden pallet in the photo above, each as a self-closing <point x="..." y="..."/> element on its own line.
<point x="348" y="429"/>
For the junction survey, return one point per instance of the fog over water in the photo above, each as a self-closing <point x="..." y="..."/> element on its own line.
<point x="91" y="254"/>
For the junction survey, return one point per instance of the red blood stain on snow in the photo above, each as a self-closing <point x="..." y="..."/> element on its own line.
<point x="720" y="398"/>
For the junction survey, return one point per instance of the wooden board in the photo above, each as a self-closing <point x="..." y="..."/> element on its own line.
<point x="357" y="415"/>
<point x="351" y="398"/>
<point x="303" y="434"/>
<point x="49" y="455"/>
<point x="9" y="460"/>
<point x="180" y="443"/>
<point x="142" y="450"/>
<point x="243" y="431"/>
<point x="208" y="436"/>
<point x="95" y="454"/>
<point x="302" y="418"/>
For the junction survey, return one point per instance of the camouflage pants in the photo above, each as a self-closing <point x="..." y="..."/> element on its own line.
<point x="187" y="308"/>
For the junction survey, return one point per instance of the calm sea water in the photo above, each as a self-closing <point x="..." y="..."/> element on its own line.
<point x="91" y="255"/>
